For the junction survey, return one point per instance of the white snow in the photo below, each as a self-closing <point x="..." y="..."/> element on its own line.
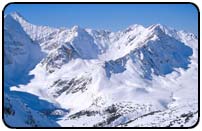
<point x="148" y="73"/>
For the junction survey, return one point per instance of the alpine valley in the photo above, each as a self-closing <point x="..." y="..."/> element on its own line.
<point x="76" y="77"/>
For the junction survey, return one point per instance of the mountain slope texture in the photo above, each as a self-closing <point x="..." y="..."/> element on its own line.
<point x="136" y="77"/>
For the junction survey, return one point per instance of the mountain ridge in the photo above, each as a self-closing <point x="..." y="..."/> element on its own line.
<point x="101" y="78"/>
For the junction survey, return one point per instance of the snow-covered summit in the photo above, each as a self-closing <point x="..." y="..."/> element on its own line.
<point x="17" y="16"/>
<point x="35" y="32"/>
<point x="138" y="76"/>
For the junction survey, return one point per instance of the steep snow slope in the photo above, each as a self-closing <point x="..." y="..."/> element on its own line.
<point x="21" y="55"/>
<point x="18" y="114"/>
<point x="101" y="78"/>
<point x="159" y="55"/>
<point x="81" y="45"/>
<point x="36" y="33"/>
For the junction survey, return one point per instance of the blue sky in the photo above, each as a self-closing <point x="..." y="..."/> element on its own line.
<point x="109" y="16"/>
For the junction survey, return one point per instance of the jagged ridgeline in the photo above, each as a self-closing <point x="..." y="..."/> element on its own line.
<point x="73" y="77"/>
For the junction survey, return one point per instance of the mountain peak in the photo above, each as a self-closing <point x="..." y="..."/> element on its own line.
<point x="78" y="29"/>
<point x="116" y="77"/>
<point x="134" y="26"/>
<point x="157" y="27"/>
<point x="18" y="17"/>
<point x="16" y="14"/>
<point x="163" y="29"/>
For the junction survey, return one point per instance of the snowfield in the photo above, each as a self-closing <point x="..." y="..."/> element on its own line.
<point x="137" y="77"/>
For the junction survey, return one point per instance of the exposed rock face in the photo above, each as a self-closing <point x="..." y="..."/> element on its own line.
<point x="137" y="77"/>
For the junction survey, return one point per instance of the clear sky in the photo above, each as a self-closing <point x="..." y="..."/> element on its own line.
<point x="109" y="16"/>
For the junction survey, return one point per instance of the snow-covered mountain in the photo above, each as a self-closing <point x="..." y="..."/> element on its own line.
<point x="140" y="76"/>
<point x="21" y="54"/>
